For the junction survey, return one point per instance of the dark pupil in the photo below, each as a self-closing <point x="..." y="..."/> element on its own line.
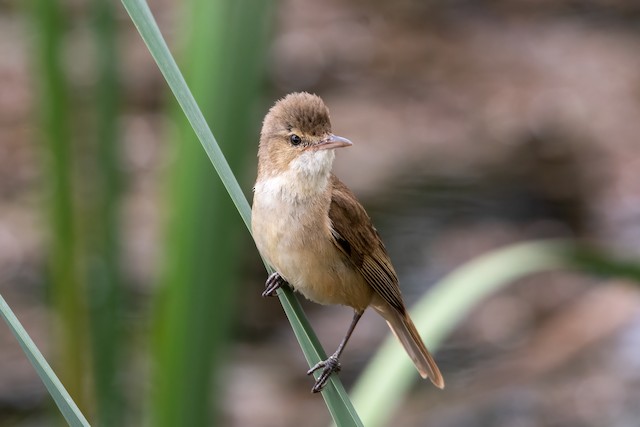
<point x="295" y="139"/>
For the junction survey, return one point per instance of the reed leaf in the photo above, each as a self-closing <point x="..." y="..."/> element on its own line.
<point x="334" y="394"/>
<point x="67" y="406"/>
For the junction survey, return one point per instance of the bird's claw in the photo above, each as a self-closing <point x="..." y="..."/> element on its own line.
<point x="274" y="282"/>
<point x="329" y="366"/>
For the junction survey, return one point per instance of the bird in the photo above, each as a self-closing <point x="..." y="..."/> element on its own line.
<point x="313" y="231"/>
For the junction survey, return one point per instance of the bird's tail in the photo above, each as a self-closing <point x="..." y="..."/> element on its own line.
<point x="403" y="328"/>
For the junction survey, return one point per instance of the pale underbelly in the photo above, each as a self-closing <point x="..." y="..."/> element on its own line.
<point x="325" y="279"/>
<point x="313" y="267"/>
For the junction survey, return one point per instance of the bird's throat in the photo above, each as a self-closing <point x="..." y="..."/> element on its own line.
<point x="306" y="177"/>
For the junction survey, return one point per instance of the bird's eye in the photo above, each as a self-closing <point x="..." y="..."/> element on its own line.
<point x="295" y="139"/>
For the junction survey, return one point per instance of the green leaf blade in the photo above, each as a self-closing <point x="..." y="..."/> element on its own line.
<point x="63" y="400"/>
<point x="147" y="27"/>
<point x="334" y="394"/>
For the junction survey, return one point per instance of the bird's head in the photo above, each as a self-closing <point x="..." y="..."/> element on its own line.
<point x="296" y="133"/>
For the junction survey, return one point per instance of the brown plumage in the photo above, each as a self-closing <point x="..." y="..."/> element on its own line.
<point x="356" y="237"/>
<point x="311" y="228"/>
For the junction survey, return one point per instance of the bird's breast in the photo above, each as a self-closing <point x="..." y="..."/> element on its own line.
<point x="295" y="238"/>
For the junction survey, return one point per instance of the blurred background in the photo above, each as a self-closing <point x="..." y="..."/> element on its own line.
<point x="476" y="125"/>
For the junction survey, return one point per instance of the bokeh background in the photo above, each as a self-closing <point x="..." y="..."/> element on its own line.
<point x="476" y="125"/>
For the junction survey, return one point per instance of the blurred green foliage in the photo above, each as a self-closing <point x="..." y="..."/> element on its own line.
<point x="79" y="140"/>
<point x="223" y="63"/>
<point x="101" y="224"/>
<point x="67" y="290"/>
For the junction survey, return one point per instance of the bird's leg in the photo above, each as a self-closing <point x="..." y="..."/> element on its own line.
<point x="274" y="282"/>
<point x="332" y="364"/>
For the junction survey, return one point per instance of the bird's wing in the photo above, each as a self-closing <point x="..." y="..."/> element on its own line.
<point x="355" y="236"/>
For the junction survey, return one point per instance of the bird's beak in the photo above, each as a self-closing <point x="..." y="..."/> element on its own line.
<point x="332" y="141"/>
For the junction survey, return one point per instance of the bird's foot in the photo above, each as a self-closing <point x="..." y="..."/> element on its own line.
<point x="274" y="282"/>
<point x="329" y="366"/>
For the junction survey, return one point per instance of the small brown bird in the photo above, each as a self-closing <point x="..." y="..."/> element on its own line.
<point x="311" y="228"/>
